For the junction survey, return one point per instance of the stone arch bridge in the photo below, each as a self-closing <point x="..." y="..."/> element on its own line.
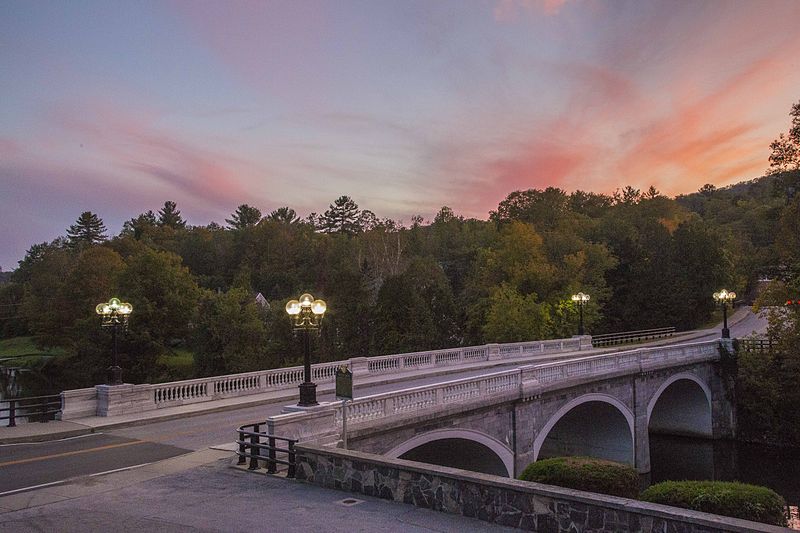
<point x="603" y="406"/>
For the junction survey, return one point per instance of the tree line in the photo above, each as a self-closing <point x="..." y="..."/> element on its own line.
<point x="646" y="260"/>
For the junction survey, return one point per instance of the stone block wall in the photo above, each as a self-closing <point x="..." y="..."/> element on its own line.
<point x="507" y="502"/>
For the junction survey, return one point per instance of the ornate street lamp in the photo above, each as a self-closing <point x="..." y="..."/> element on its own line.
<point x="306" y="314"/>
<point x="114" y="315"/>
<point x="723" y="297"/>
<point x="580" y="299"/>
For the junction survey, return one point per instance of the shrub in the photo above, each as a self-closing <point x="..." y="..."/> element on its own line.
<point x="585" y="473"/>
<point x="738" y="500"/>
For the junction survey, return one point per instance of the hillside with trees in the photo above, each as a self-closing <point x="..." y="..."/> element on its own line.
<point x="646" y="260"/>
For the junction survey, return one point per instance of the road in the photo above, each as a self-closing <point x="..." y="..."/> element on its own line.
<point x="24" y="466"/>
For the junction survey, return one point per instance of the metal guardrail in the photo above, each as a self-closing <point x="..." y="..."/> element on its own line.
<point x="251" y="440"/>
<point x="610" y="339"/>
<point x="755" y="345"/>
<point x="42" y="407"/>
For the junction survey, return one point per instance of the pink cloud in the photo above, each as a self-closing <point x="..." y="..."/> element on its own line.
<point x="9" y="147"/>
<point x="507" y="10"/>
<point x="131" y="140"/>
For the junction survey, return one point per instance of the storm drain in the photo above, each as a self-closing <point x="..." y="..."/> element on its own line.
<point x="349" y="502"/>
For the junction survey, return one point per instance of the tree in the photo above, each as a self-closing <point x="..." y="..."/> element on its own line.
<point x="285" y="215"/>
<point x="342" y="216"/>
<point x="230" y="336"/>
<point x="786" y="148"/>
<point x="170" y="216"/>
<point x="139" y="226"/>
<point x="542" y="208"/>
<point x="513" y="317"/>
<point x="88" y="229"/>
<point x="245" y="216"/>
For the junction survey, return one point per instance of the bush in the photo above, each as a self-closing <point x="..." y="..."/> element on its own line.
<point x="738" y="500"/>
<point x="585" y="473"/>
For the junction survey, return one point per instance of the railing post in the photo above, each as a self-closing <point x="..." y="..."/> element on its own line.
<point x="242" y="449"/>
<point x="12" y="413"/>
<point x="255" y="451"/>
<point x="271" y="463"/>
<point x="292" y="460"/>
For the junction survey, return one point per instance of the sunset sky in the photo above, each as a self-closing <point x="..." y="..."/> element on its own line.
<point x="115" y="107"/>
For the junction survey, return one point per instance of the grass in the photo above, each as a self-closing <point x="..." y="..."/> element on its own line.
<point x="23" y="350"/>
<point x="177" y="364"/>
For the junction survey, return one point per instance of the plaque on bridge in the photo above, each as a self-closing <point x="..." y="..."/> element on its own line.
<point x="344" y="383"/>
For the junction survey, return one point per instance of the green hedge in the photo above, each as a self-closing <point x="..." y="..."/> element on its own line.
<point x="737" y="500"/>
<point x="585" y="473"/>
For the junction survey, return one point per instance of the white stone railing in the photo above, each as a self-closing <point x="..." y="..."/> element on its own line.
<point x="429" y="396"/>
<point x="496" y="387"/>
<point x="639" y="360"/>
<point x="146" y="397"/>
<point x="220" y="387"/>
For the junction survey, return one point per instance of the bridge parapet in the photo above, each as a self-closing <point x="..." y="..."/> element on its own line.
<point x="397" y="407"/>
<point x="129" y="398"/>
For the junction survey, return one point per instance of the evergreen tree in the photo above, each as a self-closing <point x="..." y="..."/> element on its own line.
<point x="88" y="229"/>
<point x="169" y="215"/>
<point x="343" y="216"/>
<point x="245" y="216"/>
<point x="138" y="226"/>
<point x="285" y="215"/>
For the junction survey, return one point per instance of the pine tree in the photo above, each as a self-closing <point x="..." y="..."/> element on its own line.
<point x="343" y="216"/>
<point x="88" y="229"/>
<point x="285" y="215"/>
<point x="169" y="215"/>
<point x="244" y="216"/>
<point x="137" y="227"/>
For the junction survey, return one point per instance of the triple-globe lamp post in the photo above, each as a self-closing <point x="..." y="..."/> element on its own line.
<point x="114" y="314"/>
<point x="580" y="299"/>
<point x="723" y="297"/>
<point x="306" y="314"/>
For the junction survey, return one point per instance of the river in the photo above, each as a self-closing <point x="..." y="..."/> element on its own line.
<point x="678" y="458"/>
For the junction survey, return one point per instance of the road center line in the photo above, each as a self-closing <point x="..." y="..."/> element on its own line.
<point x="67" y="454"/>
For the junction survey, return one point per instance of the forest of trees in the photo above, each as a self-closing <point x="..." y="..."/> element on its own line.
<point x="646" y="260"/>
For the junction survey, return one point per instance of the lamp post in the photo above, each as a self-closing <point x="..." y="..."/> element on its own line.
<point x="114" y="314"/>
<point x="306" y="314"/>
<point x="723" y="297"/>
<point x="581" y="300"/>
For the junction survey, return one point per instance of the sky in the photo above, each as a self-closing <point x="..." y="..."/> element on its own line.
<point x="406" y="106"/>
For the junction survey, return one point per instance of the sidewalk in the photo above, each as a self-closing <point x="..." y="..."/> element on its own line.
<point x="201" y="491"/>
<point x="58" y="429"/>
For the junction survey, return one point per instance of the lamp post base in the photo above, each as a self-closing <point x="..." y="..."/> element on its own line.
<point x="308" y="394"/>
<point x="726" y="333"/>
<point x="115" y="375"/>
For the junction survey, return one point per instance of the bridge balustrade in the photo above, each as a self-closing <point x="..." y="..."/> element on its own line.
<point x="493" y="387"/>
<point x="125" y="399"/>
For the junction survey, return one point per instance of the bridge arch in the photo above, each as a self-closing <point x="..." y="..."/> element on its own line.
<point x="611" y="416"/>
<point x="681" y="405"/>
<point x="504" y="454"/>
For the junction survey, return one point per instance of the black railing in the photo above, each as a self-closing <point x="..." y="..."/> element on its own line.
<point x="755" y="344"/>
<point x="251" y="444"/>
<point x="34" y="408"/>
<point x="610" y="339"/>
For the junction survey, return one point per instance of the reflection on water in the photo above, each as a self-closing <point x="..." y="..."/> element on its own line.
<point x="678" y="458"/>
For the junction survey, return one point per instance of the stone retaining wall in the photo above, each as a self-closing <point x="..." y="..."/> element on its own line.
<point x="507" y="502"/>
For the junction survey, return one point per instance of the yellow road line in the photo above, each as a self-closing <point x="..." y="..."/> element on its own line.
<point x="67" y="454"/>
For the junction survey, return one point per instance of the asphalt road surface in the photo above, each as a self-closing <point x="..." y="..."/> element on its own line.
<point x="30" y="465"/>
